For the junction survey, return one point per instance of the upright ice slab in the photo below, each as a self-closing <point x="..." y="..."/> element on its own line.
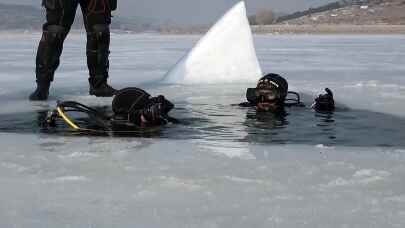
<point x="226" y="54"/>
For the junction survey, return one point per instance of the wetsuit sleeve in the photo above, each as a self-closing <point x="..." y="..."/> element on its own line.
<point x="246" y="104"/>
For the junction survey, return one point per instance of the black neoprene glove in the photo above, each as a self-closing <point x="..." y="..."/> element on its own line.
<point x="324" y="102"/>
<point x="153" y="113"/>
<point x="166" y="105"/>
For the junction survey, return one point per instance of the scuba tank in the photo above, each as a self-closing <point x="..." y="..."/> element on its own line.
<point x="133" y="109"/>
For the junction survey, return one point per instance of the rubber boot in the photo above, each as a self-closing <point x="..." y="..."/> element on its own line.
<point x="41" y="93"/>
<point x="98" y="42"/>
<point x="100" y="88"/>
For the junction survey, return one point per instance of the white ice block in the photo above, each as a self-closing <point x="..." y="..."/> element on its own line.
<point x="226" y="54"/>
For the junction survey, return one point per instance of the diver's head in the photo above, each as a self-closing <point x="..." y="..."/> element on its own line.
<point x="140" y="108"/>
<point x="156" y="111"/>
<point x="270" y="93"/>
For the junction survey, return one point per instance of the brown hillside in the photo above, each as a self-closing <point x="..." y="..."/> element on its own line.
<point x="372" y="12"/>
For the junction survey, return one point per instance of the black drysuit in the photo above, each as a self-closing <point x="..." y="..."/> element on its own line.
<point x="60" y="15"/>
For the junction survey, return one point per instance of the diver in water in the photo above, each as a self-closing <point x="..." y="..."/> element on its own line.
<point x="60" y="15"/>
<point x="271" y="95"/>
<point x="137" y="107"/>
<point x="133" y="109"/>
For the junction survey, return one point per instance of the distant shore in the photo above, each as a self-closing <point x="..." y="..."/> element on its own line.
<point x="270" y="29"/>
<point x="311" y="29"/>
<point x="329" y="29"/>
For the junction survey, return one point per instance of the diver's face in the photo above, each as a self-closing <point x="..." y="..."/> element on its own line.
<point x="267" y="99"/>
<point x="266" y="107"/>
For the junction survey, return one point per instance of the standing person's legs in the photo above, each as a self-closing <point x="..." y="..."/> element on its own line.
<point x="97" y="19"/>
<point x="60" y="15"/>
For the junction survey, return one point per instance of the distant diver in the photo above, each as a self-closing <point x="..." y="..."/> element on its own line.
<point x="133" y="110"/>
<point x="60" y="15"/>
<point x="271" y="95"/>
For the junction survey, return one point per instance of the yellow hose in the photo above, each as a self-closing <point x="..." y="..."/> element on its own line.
<point x="76" y="127"/>
<point x="66" y="119"/>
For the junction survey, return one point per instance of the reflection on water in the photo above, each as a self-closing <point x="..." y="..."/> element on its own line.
<point x="226" y="124"/>
<point x="265" y="127"/>
<point x="265" y="120"/>
<point x="326" y="124"/>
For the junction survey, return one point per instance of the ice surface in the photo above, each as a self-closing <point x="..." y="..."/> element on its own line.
<point x="228" y="178"/>
<point x="226" y="54"/>
<point x="176" y="183"/>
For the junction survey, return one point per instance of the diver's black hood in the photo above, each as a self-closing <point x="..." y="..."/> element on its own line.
<point x="279" y="82"/>
<point x="129" y="99"/>
<point x="134" y="102"/>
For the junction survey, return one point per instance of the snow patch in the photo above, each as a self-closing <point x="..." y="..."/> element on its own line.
<point x="228" y="149"/>
<point x="13" y="166"/>
<point x="144" y="194"/>
<point x="338" y="182"/>
<point x="78" y="155"/>
<point x="400" y="151"/>
<point x="371" y="173"/>
<point x="64" y="179"/>
<point x="176" y="183"/>
<point x="364" y="176"/>
<point x="398" y="199"/>
<point x="244" y="180"/>
<point x="339" y="164"/>
<point x="322" y="146"/>
<point x="290" y="197"/>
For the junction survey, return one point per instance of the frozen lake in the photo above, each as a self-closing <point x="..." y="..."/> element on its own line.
<point x="224" y="166"/>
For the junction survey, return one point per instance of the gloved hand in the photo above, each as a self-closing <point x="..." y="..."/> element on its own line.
<point x="324" y="102"/>
<point x="153" y="113"/>
<point x="166" y="105"/>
